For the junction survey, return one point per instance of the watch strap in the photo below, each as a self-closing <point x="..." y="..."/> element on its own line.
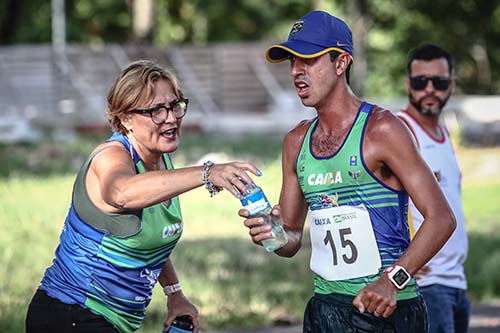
<point x="172" y="288"/>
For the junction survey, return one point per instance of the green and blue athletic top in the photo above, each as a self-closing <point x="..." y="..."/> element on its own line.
<point x="344" y="179"/>
<point x="109" y="263"/>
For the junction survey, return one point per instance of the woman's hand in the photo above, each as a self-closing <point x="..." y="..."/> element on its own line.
<point x="233" y="176"/>
<point x="179" y="305"/>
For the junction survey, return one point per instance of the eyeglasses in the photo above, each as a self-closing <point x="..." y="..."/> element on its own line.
<point x="159" y="113"/>
<point x="420" y="82"/>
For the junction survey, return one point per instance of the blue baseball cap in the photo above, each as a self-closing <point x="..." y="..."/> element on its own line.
<point x="314" y="34"/>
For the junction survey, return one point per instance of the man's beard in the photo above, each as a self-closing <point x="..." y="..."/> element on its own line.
<point x="434" y="111"/>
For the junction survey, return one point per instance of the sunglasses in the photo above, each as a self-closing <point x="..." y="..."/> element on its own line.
<point x="420" y="82"/>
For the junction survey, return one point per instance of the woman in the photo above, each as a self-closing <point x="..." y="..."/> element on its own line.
<point x="125" y="219"/>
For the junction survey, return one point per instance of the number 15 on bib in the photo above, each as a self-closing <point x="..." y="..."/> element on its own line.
<point x="343" y="243"/>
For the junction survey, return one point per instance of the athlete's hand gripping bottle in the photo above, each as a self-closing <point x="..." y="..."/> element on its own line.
<point x="258" y="205"/>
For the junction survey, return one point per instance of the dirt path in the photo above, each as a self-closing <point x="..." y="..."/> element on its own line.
<point x="485" y="318"/>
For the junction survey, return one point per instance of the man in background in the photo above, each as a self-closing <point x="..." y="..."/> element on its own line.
<point x="442" y="281"/>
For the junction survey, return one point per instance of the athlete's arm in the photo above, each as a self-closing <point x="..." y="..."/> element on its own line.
<point x="402" y="157"/>
<point x="292" y="206"/>
<point x="390" y="152"/>
<point x="292" y="201"/>
<point x="177" y="303"/>
<point x="114" y="186"/>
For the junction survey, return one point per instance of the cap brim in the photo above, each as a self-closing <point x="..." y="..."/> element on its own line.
<point x="280" y="52"/>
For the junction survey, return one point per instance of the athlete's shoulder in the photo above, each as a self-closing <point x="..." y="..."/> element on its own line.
<point x="386" y="133"/>
<point x="294" y="139"/>
<point x="382" y="114"/>
<point x="110" y="153"/>
<point x="296" y="135"/>
<point x="384" y="122"/>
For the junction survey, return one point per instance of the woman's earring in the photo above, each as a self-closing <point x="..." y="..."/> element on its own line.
<point x="130" y="147"/>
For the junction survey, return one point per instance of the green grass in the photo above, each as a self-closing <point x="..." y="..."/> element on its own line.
<point x="234" y="283"/>
<point x="481" y="197"/>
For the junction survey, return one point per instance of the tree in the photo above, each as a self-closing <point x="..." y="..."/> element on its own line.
<point x="384" y="30"/>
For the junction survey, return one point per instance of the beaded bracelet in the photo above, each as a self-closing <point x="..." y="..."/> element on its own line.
<point x="211" y="188"/>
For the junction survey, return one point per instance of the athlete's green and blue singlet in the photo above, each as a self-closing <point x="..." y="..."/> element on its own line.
<point x="343" y="179"/>
<point x="109" y="263"/>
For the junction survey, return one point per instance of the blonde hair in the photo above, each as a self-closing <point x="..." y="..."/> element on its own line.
<point x="134" y="88"/>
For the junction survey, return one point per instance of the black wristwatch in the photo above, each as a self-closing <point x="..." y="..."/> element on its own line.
<point x="398" y="276"/>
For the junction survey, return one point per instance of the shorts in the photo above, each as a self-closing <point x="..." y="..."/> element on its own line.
<point x="334" y="313"/>
<point x="47" y="314"/>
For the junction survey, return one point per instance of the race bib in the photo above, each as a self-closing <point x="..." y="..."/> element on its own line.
<point x="343" y="243"/>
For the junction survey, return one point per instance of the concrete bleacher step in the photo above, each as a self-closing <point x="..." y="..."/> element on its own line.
<point x="70" y="90"/>
<point x="26" y="76"/>
<point x="226" y="73"/>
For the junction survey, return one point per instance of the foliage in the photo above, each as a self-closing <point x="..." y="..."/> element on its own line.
<point x="469" y="29"/>
<point x="447" y="23"/>
<point x="483" y="263"/>
<point x="46" y="158"/>
<point x="200" y="21"/>
<point x="234" y="283"/>
<point x="52" y="158"/>
<point x="14" y="16"/>
<point x="98" y="21"/>
<point x="86" y="21"/>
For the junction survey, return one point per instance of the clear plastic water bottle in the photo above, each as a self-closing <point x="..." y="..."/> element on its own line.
<point x="182" y="324"/>
<point x="258" y="205"/>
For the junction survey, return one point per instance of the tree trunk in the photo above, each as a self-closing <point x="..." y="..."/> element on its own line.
<point x="361" y="23"/>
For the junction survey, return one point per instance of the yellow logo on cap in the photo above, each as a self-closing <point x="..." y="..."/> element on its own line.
<point x="297" y="26"/>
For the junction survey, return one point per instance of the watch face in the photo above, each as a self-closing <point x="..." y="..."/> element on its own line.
<point x="400" y="277"/>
